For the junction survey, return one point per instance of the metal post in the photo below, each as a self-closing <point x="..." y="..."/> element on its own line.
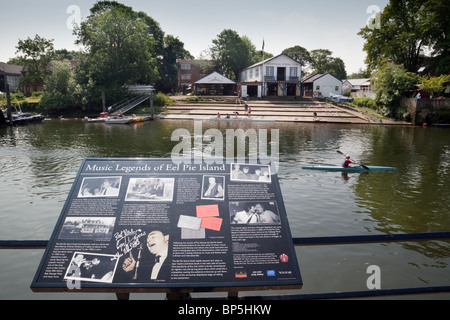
<point x="152" y="111"/>
<point x="104" y="101"/>
<point x="8" y="101"/>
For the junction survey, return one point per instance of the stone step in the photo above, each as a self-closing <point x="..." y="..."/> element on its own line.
<point x="299" y="111"/>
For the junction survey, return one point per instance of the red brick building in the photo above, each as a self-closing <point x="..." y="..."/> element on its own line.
<point x="190" y="71"/>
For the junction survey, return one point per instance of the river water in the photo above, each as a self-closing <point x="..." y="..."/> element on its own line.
<point x="40" y="162"/>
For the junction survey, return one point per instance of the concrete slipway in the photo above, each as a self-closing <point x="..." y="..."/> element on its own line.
<point x="268" y="111"/>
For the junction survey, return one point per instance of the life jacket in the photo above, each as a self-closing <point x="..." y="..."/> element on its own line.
<point x="346" y="162"/>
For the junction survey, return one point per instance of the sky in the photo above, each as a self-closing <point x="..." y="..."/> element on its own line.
<point x="281" y="24"/>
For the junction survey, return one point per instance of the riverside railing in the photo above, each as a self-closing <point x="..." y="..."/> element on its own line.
<point x="313" y="241"/>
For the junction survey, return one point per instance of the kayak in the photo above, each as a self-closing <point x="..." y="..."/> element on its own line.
<point x="350" y="169"/>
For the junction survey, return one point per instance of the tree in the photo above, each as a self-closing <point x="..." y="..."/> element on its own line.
<point x="230" y="54"/>
<point x="408" y="28"/>
<point x="434" y="85"/>
<point x="301" y="55"/>
<point x="437" y="22"/>
<point x="361" y="74"/>
<point x="159" y="50"/>
<point x="120" y="50"/>
<point x="173" y="50"/>
<point x="61" y="89"/>
<point x="36" y="54"/>
<point x="64" y="54"/>
<point x="391" y="83"/>
<point x="324" y="62"/>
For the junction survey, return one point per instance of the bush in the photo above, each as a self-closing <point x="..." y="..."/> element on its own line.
<point x="194" y="99"/>
<point x="162" y="100"/>
<point x="365" y="102"/>
<point x="37" y="94"/>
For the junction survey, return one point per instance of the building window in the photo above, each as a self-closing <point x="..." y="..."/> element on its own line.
<point x="186" y="76"/>
<point x="270" y="71"/>
<point x="293" y="72"/>
<point x="317" y="88"/>
<point x="185" y="66"/>
<point x="251" y="74"/>
<point x="336" y="88"/>
<point x="257" y="73"/>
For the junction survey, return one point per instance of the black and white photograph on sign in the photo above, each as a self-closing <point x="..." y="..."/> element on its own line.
<point x="213" y="188"/>
<point x="250" y="173"/>
<point x="149" y="261"/>
<point x="91" y="267"/>
<point x="93" y="228"/>
<point x="254" y="212"/>
<point x="100" y="187"/>
<point x="150" y="189"/>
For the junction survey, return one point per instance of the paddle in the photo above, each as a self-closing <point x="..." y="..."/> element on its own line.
<point x="366" y="168"/>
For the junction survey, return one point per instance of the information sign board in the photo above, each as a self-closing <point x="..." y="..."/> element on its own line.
<point x="151" y="225"/>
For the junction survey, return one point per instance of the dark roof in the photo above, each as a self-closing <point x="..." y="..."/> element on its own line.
<point x="311" y="78"/>
<point x="11" y="69"/>
<point x="314" y="77"/>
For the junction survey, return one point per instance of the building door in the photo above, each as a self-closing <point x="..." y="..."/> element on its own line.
<point x="252" y="91"/>
<point x="272" y="89"/>
<point x="291" y="89"/>
<point x="281" y="74"/>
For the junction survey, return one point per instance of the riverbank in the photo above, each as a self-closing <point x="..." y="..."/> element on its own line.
<point x="42" y="161"/>
<point x="303" y="110"/>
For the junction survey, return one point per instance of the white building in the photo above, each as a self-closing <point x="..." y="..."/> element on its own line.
<point x="278" y="76"/>
<point x="359" y="87"/>
<point x="215" y="84"/>
<point x="321" y="85"/>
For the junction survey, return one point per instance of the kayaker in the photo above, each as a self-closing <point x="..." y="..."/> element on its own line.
<point x="346" y="162"/>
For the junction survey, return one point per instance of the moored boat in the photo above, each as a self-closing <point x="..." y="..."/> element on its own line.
<point x="118" y="120"/>
<point x="25" y="118"/>
<point x="94" y="120"/>
<point x="349" y="169"/>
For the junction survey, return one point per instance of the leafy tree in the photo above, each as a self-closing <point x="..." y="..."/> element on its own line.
<point x="361" y="74"/>
<point x="324" y="62"/>
<point x="61" y="89"/>
<point x="159" y="51"/>
<point x="120" y="50"/>
<point x="255" y="56"/>
<point x="36" y="54"/>
<point x="300" y="54"/>
<point x="231" y="54"/>
<point x="437" y="22"/>
<point x="434" y="85"/>
<point x="173" y="50"/>
<point x="391" y="83"/>
<point x="408" y="29"/>
<point x="64" y="54"/>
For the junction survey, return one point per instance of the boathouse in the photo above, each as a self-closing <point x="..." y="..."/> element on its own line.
<point x="321" y="86"/>
<point x="10" y="74"/>
<point x="215" y="84"/>
<point x="278" y="76"/>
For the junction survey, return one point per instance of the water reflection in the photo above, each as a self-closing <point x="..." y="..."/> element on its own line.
<point x="40" y="163"/>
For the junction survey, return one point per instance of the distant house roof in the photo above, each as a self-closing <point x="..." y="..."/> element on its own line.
<point x="359" y="82"/>
<point x="314" y="77"/>
<point x="11" y="69"/>
<point x="215" y="78"/>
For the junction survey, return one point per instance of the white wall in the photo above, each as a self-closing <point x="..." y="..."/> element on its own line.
<point x="258" y="73"/>
<point x="328" y="85"/>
